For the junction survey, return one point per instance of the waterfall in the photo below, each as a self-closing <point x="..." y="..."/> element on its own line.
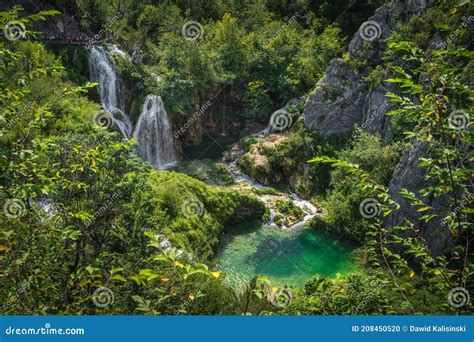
<point x="102" y="71"/>
<point x="154" y="134"/>
<point x="310" y="211"/>
<point x="153" y="130"/>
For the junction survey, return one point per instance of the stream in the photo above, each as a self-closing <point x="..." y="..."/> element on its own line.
<point x="288" y="255"/>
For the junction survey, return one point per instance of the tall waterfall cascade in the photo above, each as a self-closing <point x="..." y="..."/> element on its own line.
<point x="153" y="130"/>
<point x="102" y="71"/>
<point x="154" y="134"/>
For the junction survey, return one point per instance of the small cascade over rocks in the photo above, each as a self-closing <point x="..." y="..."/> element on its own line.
<point x="154" y="134"/>
<point x="115" y="49"/>
<point x="285" y="250"/>
<point x="102" y="70"/>
<point x="310" y="211"/>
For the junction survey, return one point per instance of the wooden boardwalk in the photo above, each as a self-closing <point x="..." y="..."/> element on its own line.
<point x="73" y="40"/>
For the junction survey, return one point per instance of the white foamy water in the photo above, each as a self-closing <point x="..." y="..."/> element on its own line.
<point x="153" y="130"/>
<point x="102" y="70"/>
<point x="309" y="209"/>
<point x="154" y="134"/>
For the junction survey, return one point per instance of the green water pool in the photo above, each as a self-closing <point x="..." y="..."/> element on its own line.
<point x="287" y="259"/>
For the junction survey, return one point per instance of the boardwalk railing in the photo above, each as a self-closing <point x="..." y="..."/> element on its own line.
<point x="81" y="39"/>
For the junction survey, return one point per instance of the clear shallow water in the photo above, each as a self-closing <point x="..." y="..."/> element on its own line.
<point x="286" y="259"/>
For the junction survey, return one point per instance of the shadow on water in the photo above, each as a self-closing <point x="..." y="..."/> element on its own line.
<point x="211" y="147"/>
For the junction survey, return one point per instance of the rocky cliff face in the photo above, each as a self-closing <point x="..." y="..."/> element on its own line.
<point x="408" y="175"/>
<point x="338" y="101"/>
<point x="376" y="106"/>
<point x="341" y="99"/>
<point x="378" y="28"/>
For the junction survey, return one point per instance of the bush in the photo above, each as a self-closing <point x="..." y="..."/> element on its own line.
<point x="343" y="199"/>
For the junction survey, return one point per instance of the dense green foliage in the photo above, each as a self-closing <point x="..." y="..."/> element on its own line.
<point x="85" y="221"/>
<point x="449" y="180"/>
<point x="78" y="203"/>
<point x="250" y="59"/>
<point x="342" y="202"/>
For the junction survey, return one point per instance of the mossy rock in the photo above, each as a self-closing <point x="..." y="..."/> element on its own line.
<point x="192" y="214"/>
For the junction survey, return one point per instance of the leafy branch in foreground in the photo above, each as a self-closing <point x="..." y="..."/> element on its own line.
<point x="444" y="133"/>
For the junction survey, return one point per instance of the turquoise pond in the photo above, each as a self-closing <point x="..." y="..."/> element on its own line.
<point x="286" y="259"/>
